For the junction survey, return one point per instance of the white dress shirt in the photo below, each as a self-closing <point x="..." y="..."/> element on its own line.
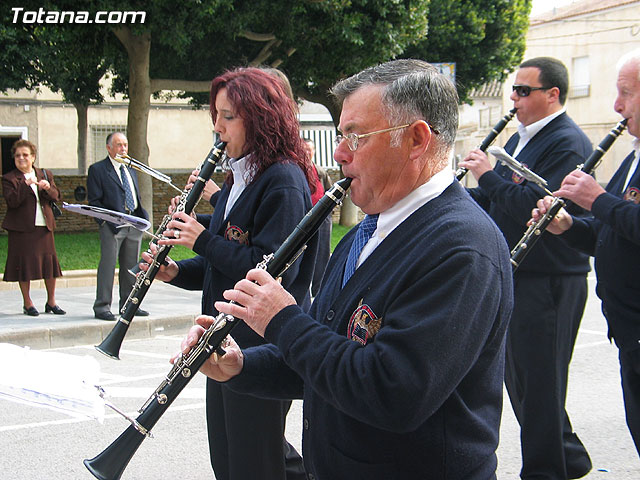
<point x="116" y="167"/>
<point x="398" y="213"/>
<point x="528" y="132"/>
<point x="39" y="220"/>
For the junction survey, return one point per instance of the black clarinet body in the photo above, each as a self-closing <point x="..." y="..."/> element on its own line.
<point x="111" y="462"/>
<point x="536" y="229"/>
<point x="488" y="140"/>
<point x="110" y="346"/>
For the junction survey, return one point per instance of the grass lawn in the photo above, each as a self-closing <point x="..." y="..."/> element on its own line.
<point x="81" y="251"/>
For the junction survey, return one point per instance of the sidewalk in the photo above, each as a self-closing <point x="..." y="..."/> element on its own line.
<point x="172" y="311"/>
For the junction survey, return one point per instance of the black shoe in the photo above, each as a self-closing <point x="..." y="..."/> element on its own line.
<point x="105" y="316"/>
<point x="141" y="313"/>
<point x="31" y="311"/>
<point x="55" y="309"/>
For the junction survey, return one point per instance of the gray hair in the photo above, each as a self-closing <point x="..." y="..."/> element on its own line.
<point x="630" y="57"/>
<point x="413" y="90"/>
<point x="110" y="137"/>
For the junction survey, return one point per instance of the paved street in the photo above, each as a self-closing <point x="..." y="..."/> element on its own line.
<point x="42" y="444"/>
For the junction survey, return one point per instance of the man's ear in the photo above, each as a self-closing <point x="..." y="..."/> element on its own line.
<point x="420" y="135"/>
<point x="554" y="94"/>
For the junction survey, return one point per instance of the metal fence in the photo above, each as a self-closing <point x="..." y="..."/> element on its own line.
<point x="323" y="138"/>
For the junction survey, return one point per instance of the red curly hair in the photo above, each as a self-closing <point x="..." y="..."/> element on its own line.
<point x="272" y="132"/>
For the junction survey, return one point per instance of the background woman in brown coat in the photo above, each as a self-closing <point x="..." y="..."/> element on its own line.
<point x="30" y="223"/>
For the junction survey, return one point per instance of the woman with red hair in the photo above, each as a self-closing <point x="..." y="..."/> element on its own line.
<point x="265" y="195"/>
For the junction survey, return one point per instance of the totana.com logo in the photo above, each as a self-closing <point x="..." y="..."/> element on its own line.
<point x="53" y="16"/>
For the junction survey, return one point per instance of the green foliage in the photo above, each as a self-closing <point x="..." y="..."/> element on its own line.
<point x="66" y="58"/>
<point x="315" y="42"/>
<point x="338" y="231"/>
<point x="485" y="38"/>
<point x="81" y="251"/>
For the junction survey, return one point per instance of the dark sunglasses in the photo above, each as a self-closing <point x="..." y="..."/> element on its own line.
<point x="525" y="90"/>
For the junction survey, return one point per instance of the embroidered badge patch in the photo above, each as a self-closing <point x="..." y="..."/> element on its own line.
<point x="515" y="178"/>
<point x="236" y="234"/>
<point x="632" y="194"/>
<point x="363" y="324"/>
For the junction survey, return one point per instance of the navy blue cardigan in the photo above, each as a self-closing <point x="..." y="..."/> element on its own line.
<point x="401" y="371"/>
<point x="612" y="235"/>
<point x="552" y="153"/>
<point x="264" y="215"/>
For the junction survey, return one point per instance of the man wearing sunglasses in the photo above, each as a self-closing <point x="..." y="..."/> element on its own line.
<point x="550" y="284"/>
<point x="612" y="236"/>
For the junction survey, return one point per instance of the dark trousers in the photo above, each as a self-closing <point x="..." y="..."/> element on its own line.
<point x="124" y="246"/>
<point x="246" y="437"/>
<point x="630" y="373"/>
<point x="542" y="333"/>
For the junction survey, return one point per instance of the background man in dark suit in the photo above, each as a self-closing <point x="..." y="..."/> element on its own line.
<point x="114" y="186"/>
<point x="550" y="286"/>
<point x="612" y="236"/>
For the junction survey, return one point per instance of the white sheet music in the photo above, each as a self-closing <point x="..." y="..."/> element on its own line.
<point x="58" y="381"/>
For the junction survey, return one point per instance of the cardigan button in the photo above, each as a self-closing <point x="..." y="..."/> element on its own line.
<point x="306" y="424"/>
<point x="330" y="315"/>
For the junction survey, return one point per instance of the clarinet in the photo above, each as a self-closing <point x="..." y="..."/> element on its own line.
<point x="536" y="229"/>
<point x="110" y="464"/>
<point x="110" y="346"/>
<point x="488" y="140"/>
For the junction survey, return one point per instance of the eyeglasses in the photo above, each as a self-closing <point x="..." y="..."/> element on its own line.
<point x="525" y="90"/>
<point x="352" y="138"/>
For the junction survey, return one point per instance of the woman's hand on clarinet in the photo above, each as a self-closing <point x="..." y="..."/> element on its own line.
<point x="219" y="368"/>
<point x="209" y="188"/>
<point x="259" y="297"/>
<point x="165" y="273"/>
<point x="183" y="229"/>
<point x="560" y="224"/>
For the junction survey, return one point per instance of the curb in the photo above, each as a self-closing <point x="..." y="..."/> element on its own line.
<point x="86" y="332"/>
<point x="69" y="279"/>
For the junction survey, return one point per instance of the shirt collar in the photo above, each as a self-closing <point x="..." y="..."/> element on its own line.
<point x="398" y="213"/>
<point x="115" y="163"/>
<point x="240" y="170"/>
<point x="530" y="131"/>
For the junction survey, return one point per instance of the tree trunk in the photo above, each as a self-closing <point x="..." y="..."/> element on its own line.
<point x="139" y="48"/>
<point x="83" y="125"/>
<point x="348" y="211"/>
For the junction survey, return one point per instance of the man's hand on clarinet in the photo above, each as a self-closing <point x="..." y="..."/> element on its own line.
<point x="219" y="368"/>
<point x="560" y="224"/>
<point x="580" y="188"/>
<point x="259" y="297"/>
<point x="477" y="162"/>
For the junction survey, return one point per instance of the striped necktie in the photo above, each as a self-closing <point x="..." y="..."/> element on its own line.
<point x="365" y="230"/>
<point x="128" y="194"/>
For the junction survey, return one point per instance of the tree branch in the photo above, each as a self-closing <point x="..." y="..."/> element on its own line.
<point x="158" y="84"/>
<point x="257" y="37"/>
<point x="265" y="53"/>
